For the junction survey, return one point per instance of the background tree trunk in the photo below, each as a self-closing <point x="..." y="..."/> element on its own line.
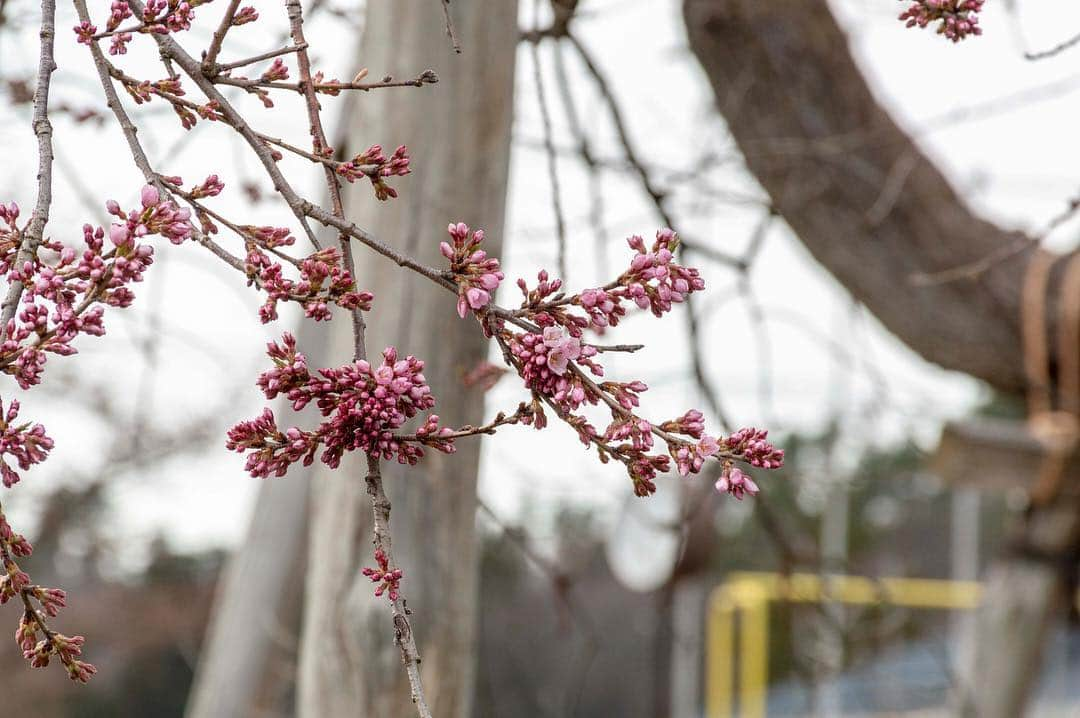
<point x="855" y="189"/>
<point x="251" y="641"/>
<point x="458" y="133"/>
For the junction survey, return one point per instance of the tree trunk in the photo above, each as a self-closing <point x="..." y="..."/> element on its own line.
<point x="256" y="615"/>
<point x="856" y="190"/>
<point x="458" y="133"/>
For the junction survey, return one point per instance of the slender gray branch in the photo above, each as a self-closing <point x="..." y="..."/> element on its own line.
<point x="35" y="231"/>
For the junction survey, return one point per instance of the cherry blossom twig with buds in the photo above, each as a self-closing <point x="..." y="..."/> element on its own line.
<point x="363" y="407"/>
<point x="32" y="237"/>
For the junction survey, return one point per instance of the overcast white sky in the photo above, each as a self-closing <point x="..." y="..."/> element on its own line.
<point x="1013" y="156"/>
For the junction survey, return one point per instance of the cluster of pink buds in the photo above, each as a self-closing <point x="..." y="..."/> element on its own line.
<point x="374" y="165"/>
<point x="77" y="284"/>
<point x="544" y="360"/>
<point x="557" y="364"/>
<point x="157" y="216"/>
<point x="733" y="481"/>
<point x="11" y="237"/>
<point x="689" y="458"/>
<point x="323" y="281"/>
<point x="477" y="275"/>
<point x="245" y="15"/>
<point x="143" y="91"/>
<point x="66" y="648"/>
<point x="165" y="16"/>
<point x="387" y="578"/>
<point x="85" y="32"/>
<point x="692" y="424"/>
<point x="119" y="12"/>
<point x="14" y="582"/>
<point x="751" y="445"/>
<point x="26" y="443"/>
<point x="654" y="281"/>
<point x="210" y="187"/>
<point x="956" y="18"/>
<point x="278" y="70"/>
<point x="363" y="406"/>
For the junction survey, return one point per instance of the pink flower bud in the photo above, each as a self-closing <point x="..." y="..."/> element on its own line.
<point x="149" y="196"/>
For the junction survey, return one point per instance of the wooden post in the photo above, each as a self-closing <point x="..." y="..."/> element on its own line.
<point x="1027" y="587"/>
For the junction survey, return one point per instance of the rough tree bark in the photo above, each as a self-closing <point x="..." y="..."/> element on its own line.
<point x="873" y="209"/>
<point x="458" y="133"/>
<point x="862" y="197"/>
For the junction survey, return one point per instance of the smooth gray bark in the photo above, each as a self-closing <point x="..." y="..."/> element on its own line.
<point x="458" y="133"/>
<point x="252" y="634"/>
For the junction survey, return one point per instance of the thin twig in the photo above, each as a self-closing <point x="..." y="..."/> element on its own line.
<point x="450" y="27"/>
<point x="549" y="149"/>
<point x="1056" y="49"/>
<point x="210" y="60"/>
<point x="427" y="77"/>
<point x="596" y="195"/>
<point x="259" y="58"/>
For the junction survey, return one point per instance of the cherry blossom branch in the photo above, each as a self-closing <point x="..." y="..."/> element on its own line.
<point x="403" y="635"/>
<point x="210" y="60"/>
<point x="363" y="405"/>
<point x="306" y="207"/>
<point x="172" y="50"/>
<point x="380" y="504"/>
<point x="26" y="444"/>
<point x="259" y="58"/>
<point x="35" y="231"/>
<point x="130" y="132"/>
<point x="48" y="602"/>
<point x="427" y="77"/>
<point x="549" y="147"/>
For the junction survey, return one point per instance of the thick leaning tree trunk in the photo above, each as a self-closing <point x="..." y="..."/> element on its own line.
<point x="875" y="212"/>
<point x="856" y="190"/>
<point x="458" y="133"/>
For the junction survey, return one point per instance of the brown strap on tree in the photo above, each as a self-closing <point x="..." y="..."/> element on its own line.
<point x="1058" y="430"/>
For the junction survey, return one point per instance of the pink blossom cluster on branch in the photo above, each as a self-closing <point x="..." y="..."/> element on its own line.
<point x="545" y="341"/>
<point x="62" y="294"/>
<point x="364" y="406"/>
<point x="62" y="298"/>
<point x="477" y="275"/>
<point x="376" y="166"/>
<point x="550" y="341"/>
<point x="38" y="642"/>
<point x="26" y="443"/>
<point x="387" y="578"/>
<point x="956" y="18"/>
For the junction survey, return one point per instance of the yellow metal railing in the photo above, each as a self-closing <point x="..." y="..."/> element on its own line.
<point x="747" y="595"/>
